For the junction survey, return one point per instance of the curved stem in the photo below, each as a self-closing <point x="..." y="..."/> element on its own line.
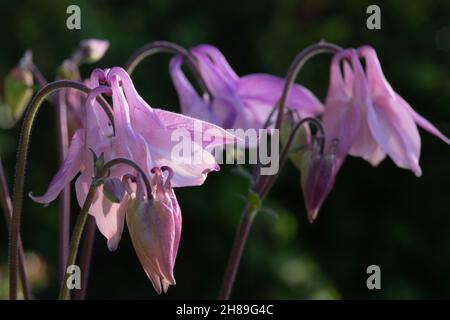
<point x="265" y="187"/>
<point x="132" y="164"/>
<point x="24" y="140"/>
<point x="294" y="69"/>
<point x="261" y="185"/>
<point x="5" y="201"/>
<point x="166" y="46"/>
<point x="81" y="220"/>
<point x="63" y="145"/>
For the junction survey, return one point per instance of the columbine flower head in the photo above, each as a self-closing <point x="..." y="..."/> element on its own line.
<point x="367" y="117"/>
<point x="236" y="102"/>
<point x="139" y="133"/>
<point x="154" y="224"/>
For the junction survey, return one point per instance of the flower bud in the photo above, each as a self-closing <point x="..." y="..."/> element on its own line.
<point x="155" y="229"/>
<point x="317" y="179"/>
<point x="93" y="50"/>
<point x="299" y="143"/>
<point x="18" y="92"/>
<point x="113" y="189"/>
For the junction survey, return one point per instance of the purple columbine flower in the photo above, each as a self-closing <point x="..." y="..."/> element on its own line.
<point x="141" y="134"/>
<point x="367" y="117"/>
<point x="236" y="102"/>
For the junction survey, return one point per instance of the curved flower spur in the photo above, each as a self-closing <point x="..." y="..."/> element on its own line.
<point x="139" y="133"/>
<point x="236" y="102"/>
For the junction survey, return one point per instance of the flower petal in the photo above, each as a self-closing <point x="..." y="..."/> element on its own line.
<point x="190" y="102"/>
<point x="394" y="129"/>
<point x="263" y="91"/>
<point x="421" y="121"/>
<point x="214" y="68"/>
<point x="69" y="169"/>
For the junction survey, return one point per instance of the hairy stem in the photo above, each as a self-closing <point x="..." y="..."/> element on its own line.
<point x="294" y="69"/>
<point x="169" y="47"/>
<point x="63" y="145"/>
<point x="24" y="140"/>
<point x="5" y="201"/>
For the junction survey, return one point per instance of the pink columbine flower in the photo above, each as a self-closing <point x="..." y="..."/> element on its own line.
<point x="236" y="102"/>
<point x="367" y="117"/>
<point x="155" y="229"/>
<point x="141" y="134"/>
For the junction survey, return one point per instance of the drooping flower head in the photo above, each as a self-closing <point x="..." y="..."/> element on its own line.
<point x="139" y="133"/>
<point x="367" y="117"/>
<point x="236" y="102"/>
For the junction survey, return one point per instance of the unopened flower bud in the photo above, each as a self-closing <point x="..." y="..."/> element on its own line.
<point x="93" y="50"/>
<point x="113" y="189"/>
<point x="155" y="229"/>
<point x="317" y="179"/>
<point x="302" y="138"/>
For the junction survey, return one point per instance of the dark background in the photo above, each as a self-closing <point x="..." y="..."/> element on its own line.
<point x="384" y="216"/>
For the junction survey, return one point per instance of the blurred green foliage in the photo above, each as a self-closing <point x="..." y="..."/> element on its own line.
<point x="384" y="216"/>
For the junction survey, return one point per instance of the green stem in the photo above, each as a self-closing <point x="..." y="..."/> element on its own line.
<point x="24" y="140"/>
<point x="240" y="240"/>
<point x="294" y="69"/>
<point x="81" y="220"/>
<point x="5" y="201"/>
<point x="86" y="257"/>
<point x="165" y="46"/>
<point x="63" y="146"/>
<point x="75" y="240"/>
<point x="261" y="185"/>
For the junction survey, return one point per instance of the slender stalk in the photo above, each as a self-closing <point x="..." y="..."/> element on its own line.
<point x="294" y="69"/>
<point x="261" y="185"/>
<point x="81" y="220"/>
<point x="240" y="240"/>
<point x="169" y="47"/>
<point x="63" y="145"/>
<point x="64" y="197"/>
<point x="24" y="140"/>
<point x="86" y="256"/>
<point x="5" y="201"/>
<point x="75" y="241"/>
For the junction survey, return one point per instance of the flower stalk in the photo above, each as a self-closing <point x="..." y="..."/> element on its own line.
<point x="169" y="47"/>
<point x="24" y="141"/>
<point x="5" y="202"/>
<point x="82" y="217"/>
<point x="261" y="185"/>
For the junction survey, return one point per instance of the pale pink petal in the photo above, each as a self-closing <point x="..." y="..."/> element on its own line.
<point x="378" y="85"/>
<point x="395" y="130"/>
<point x="69" y="169"/>
<point x="263" y="91"/>
<point x="421" y="121"/>
<point x="341" y="119"/>
<point x="215" y="70"/>
<point x="191" y="103"/>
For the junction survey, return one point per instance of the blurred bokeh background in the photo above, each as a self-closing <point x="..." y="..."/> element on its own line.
<point x="384" y="216"/>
